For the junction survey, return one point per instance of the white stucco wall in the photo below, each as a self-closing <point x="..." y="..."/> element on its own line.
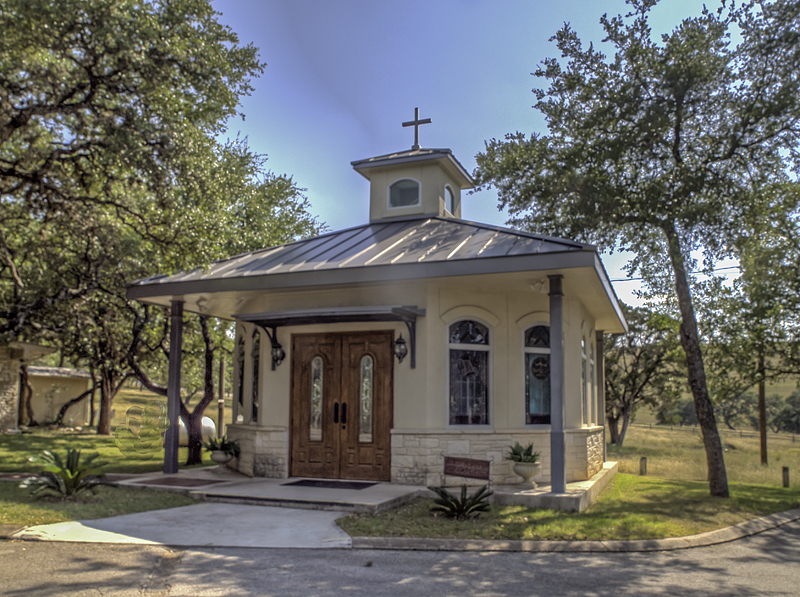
<point x="420" y="395"/>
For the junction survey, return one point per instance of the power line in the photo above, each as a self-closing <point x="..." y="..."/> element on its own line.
<point x="719" y="269"/>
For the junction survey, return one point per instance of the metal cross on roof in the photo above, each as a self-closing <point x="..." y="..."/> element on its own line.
<point x="415" y="123"/>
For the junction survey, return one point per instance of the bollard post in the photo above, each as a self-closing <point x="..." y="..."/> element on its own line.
<point x="786" y="476"/>
<point x="643" y="466"/>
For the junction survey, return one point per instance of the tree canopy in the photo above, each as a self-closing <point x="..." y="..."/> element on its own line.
<point x="662" y="148"/>
<point x="112" y="169"/>
<point x="640" y="368"/>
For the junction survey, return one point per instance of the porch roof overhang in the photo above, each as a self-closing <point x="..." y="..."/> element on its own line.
<point x="273" y="319"/>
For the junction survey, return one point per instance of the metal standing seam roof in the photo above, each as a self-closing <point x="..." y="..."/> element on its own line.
<point x="414" y="240"/>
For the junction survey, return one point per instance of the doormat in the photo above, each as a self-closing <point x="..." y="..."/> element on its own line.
<point x="178" y="482"/>
<point x="328" y="484"/>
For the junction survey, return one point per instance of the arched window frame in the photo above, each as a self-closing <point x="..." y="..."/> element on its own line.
<point x="389" y="194"/>
<point x="543" y="418"/>
<point x="452" y="208"/>
<point x="483" y="348"/>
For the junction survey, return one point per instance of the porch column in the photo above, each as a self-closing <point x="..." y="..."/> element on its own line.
<point x="173" y="387"/>
<point x="600" y="363"/>
<point x="558" y="463"/>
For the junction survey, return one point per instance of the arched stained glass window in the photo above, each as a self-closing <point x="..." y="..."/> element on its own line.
<point x="469" y="373"/>
<point x="315" y="419"/>
<point x="537" y="375"/>
<point x="537" y="337"/>
<point x="365" y="399"/>
<point x="469" y="332"/>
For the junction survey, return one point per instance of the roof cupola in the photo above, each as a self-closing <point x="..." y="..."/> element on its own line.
<point x="414" y="182"/>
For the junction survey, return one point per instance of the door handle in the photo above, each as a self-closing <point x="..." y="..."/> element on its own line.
<point x="344" y="413"/>
<point x="335" y="412"/>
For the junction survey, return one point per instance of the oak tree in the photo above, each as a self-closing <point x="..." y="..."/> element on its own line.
<point x="660" y="148"/>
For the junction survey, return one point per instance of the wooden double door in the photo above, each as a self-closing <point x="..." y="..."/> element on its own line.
<point x="341" y="412"/>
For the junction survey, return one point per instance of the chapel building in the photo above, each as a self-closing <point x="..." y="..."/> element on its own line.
<point x="373" y="352"/>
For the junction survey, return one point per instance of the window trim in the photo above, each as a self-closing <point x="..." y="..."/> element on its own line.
<point x="452" y="212"/>
<point x="489" y="368"/>
<point x="389" y="194"/>
<point x="532" y="350"/>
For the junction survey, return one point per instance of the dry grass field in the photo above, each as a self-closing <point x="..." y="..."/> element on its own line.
<point x="677" y="453"/>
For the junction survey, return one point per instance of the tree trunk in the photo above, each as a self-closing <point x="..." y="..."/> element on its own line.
<point x="91" y="400"/>
<point x="194" y="429"/>
<point x="762" y="410"/>
<point x="194" y="420"/>
<point x="717" y="477"/>
<point x="613" y="429"/>
<point x="104" y="420"/>
<point x="626" y="421"/>
<point x="63" y="410"/>
<point x="25" y="395"/>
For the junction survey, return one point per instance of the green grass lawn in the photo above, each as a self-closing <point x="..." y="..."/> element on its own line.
<point x="15" y="449"/>
<point x="18" y="507"/>
<point x="631" y="507"/>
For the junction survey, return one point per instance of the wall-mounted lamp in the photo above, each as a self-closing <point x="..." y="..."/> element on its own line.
<point x="400" y="349"/>
<point x="278" y="354"/>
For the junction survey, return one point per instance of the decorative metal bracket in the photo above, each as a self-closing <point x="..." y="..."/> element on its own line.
<point x="412" y="340"/>
<point x="277" y="352"/>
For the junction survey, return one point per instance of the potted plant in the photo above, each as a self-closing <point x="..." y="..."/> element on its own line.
<point x="526" y="463"/>
<point x="222" y="449"/>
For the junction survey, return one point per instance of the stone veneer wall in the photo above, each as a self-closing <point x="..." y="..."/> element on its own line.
<point x="9" y="389"/>
<point x="417" y="455"/>
<point x="584" y="453"/>
<point x="264" y="450"/>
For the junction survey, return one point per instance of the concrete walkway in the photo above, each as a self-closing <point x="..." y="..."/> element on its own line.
<point x="204" y="525"/>
<point x="307" y="518"/>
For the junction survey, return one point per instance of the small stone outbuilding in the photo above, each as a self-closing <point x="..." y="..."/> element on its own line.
<point x="12" y="356"/>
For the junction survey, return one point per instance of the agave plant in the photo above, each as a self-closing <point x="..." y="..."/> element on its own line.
<point x="464" y="507"/>
<point x="229" y="446"/>
<point x="64" y="477"/>
<point x="518" y="453"/>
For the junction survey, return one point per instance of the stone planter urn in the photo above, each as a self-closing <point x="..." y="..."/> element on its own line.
<point x="221" y="456"/>
<point x="527" y="470"/>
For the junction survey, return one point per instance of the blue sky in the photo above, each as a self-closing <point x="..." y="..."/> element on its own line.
<point x="342" y="75"/>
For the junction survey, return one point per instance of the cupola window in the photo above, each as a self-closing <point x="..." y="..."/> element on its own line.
<point x="404" y="193"/>
<point x="449" y="199"/>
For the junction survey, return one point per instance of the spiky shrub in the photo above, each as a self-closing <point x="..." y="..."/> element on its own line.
<point x="467" y="506"/>
<point x="66" y="477"/>
<point x="225" y="445"/>
<point x="517" y="453"/>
